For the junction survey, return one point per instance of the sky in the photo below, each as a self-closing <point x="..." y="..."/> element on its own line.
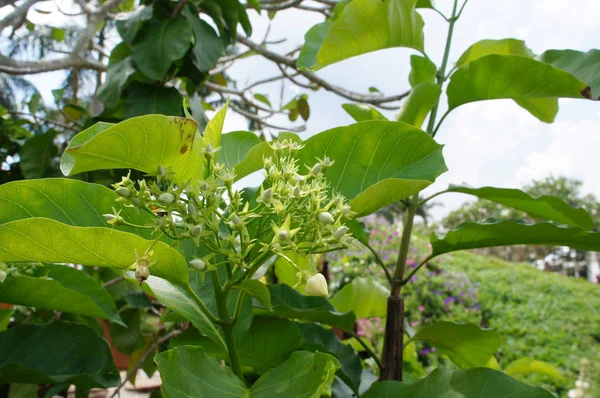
<point x="486" y="143"/>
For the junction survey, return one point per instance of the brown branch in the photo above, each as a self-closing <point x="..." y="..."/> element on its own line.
<point x="258" y="119"/>
<point x="18" y="15"/>
<point x="55" y="122"/>
<point x="377" y="100"/>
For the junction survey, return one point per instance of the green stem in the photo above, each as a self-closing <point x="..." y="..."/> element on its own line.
<point x="421" y="264"/>
<point x="380" y="262"/>
<point x="203" y="306"/>
<point x="404" y="246"/>
<point x="427" y="199"/>
<point x="228" y="326"/>
<point x="366" y="347"/>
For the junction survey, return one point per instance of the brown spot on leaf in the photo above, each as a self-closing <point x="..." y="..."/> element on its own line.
<point x="587" y="92"/>
<point x="183" y="149"/>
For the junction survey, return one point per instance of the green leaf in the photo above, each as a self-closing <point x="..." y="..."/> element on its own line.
<point x="511" y="77"/>
<point x="181" y="302"/>
<point x="189" y="371"/>
<point x="269" y="343"/>
<point x="34" y="103"/>
<point x="146" y="99"/>
<point x="317" y="338"/>
<point x="583" y="66"/>
<point x="262" y="98"/>
<point x="69" y="201"/>
<point x="419" y="103"/>
<point x="214" y="128"/>
<point x="303" y="109"/>
<point x="62" y="288"/>
<point x="526" y="366"/>
<point x="425" y="3"/>
<point x="548" y="208"/>
<point x="129" y="23"/>
<point x="287" y="273"/>
<point x="208" y="47"/>
<point x="362" y="27"/>
<point x="117" y="75"/>
<point x="142" y="143"/>
<point x="160" y="43"/>
<point x="447" y="383"/>
<point x="125" y="337"/>
<point x="288" y="303"/>
<point x="37" y="154"/>
<point x="235" y="146"/>
<point x="503" y="233"/>
<point x="256" y="289"/>
<point x="5" y="314"/>
<point x="57" y="352"/>
<point x="465" y="344"/>
<point x="422" y="70"/>
<point x="358" y="230"/>
<point x="362" y="112"/>
<point x="364" y="296"/>
<point x="376" y="162"/>
<point x="545" y="109"/>
<point x="58" y="34"/>
<point x="44" y="240"/>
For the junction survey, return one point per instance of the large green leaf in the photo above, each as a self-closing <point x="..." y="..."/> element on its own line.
<point x="147" y="99"/>
<point x="503" y="233"/>
<point x="584" y="66"/>
<point x="142" y="143"/>
<point x="256" y="289"/>
<point x="422" y="70"/>
<point x="44" y="240"/>
<point x="288" y="303"/>
<point x="362" y="27"/>
<point x="525" y="366"/>
<point x="362" y="112"/>
<point x="317" y="338"/>
<point x="511" y="77"/>
<point x="286" y="272"/>
<point x="208" y="47"/>
<point x="117" y="75"/>
<point x="189" y="371"/>
<point x="235" y="146"/>
<point x="447" y="383"/>
<point x="37" y="154"/>
<point x="61" y="288"/>
<point x="376" y="162"/>
<point x="364" y="296"/>
<point x="69" y="201"/>
<point x="548" y="208"/>
<point x="129" y="23"/>
<point x="544" y="109"/>
<point x="419" y="103"/>
<point x="159" y="44"/>
<point x="57" y="352"/>
<point x="466" y="345"/>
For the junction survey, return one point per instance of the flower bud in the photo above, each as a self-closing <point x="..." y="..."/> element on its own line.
<point x="346" y="209"/>
<point x="123" y="192"/>
<point x="283" y="235"/>
<point x="317" y="286"/>
<point x="327" y="162"/>
<point x="198" y="264"/>
<point x="297" y="191"/>
<point x="136" y="202"/>
<point x="166" y="198"/>
<point x="191" y="209"/>
<point x="341" y="231"/>
<point x="267" y="162"/>
<point x="267" y="195"/>
<point x="325" y="218"/>
<point x="3" y="276"/>
<point x="195" y="230"/>
<point x="317" y="168"/>
<point x="109" y="217"/>
<point x="160" y="171"/>
<point x="141" y="273"/>
<point x="236" y="222"/>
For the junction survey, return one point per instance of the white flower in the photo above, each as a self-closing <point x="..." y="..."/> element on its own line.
<point x="325" y="218"/>
<point x="198" y="264"/>
<point x="166" y="198"/>
<point x="317" y="286"/>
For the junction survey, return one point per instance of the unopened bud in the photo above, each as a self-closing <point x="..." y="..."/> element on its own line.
<point x="123" y="192"/>
<point x="141" y="273"/>
<point x="283" y="235"/>
<point x="195" y="231"/>
<point x="191" y="209"/>
<point x="325" y="218"/>
<point x="317" y="286"/>
<point x="317" y="168"/>
<point x="267" y="195"/>
<point x="341" y="231"/>
<point x="3" y="276"/>
<point x="166" y="198"/>
<point x="198" y="264"/>
<point x="297" y="191"/>
<point x="136" y="202"/>
<point x="160" y="171"/>
<point x="346" y="209"/>
<point x="267" y="162"/>
<point x="109" y="217"/>
<point x="208" y="151"/>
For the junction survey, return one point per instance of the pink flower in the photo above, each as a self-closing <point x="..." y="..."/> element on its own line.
<point x="421" y="308"/>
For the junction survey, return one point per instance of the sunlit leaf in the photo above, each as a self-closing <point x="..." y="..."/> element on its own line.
<point x="364" y="296"/>
<point x="526" y="366"/>
<point x="362" y="112"/>
<point x="419" y="103"/>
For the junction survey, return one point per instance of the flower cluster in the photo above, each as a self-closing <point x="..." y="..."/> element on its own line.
<point x="293" y="211"/>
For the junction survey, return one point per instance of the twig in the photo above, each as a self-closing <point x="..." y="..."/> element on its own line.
<point x="113" y="282"/>
<point x="258" y="119"/>
<point x="55" y="122"/>
<point x="153" y="347"/>
<point x="177" y="9"/>
<point x="413" y="272"/>
<point x="380" y="262"/>
<point x="366" y="347"/>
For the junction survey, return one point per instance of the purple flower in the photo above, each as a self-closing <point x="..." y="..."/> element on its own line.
<point x="449" y="300"/>
<point x="425" y="351"/>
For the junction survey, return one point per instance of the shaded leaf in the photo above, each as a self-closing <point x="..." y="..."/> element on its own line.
<point x="129" y="23"/>
<point x="362" y="112"/>
<point x="363" y="296"/>
<point x="503" y="233"/>
<point x="447" y="383"/>
<point x="548" y="208"/>
<point x="126" y="337"/>
<point x="146" y="99"/>
<point x="5" y="314"/>
<point x="57" y="352"/>
<point x="376" y="162"/>
<point x="256" y="289"/>
<point x="117" y="75"/>
<point x="208" y="47"/>
<point x="37" y="154"/>
<point x="584" y="66"/>
<point x="159" y="44"/>
<point x="62" y="288"/>
<point x="466" y="345"/>
<point x="235" y="146"/>
<point x="363" y="26"/>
